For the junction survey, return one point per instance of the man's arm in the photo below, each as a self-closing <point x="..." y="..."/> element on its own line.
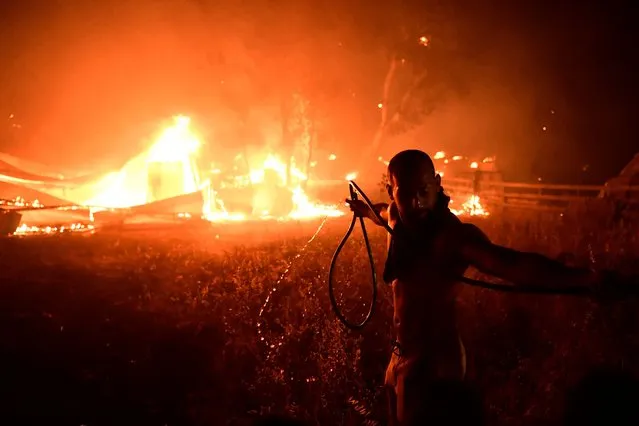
<point x="383" y="210"/>
<point x="520" y="267"/>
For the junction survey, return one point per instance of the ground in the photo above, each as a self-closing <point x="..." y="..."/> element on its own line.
<point x="161" y="327"/>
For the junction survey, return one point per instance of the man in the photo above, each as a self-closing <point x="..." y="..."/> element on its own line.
<point x="429" y="250"/>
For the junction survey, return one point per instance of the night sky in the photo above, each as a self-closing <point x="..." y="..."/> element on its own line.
<point x="86" y="82"/>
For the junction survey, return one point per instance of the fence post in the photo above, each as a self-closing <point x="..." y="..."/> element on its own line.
<point x="477" y="183"/>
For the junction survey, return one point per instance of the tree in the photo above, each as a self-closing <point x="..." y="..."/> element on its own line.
<point x="407" y="93"/>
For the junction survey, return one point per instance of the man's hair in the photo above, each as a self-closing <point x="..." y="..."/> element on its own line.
<point x="407" y="161"/>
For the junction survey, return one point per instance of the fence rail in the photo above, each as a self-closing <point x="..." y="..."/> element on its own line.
<point x="496" y="194"/>
<point x="539" y="196"/>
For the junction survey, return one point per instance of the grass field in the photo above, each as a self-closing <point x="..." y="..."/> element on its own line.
<point x="162" y="327"/>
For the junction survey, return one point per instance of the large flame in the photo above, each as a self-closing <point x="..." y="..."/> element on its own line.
<point x="278" y="185"/>
<point x="269" y="179"/>
<point x="129" y="186"/>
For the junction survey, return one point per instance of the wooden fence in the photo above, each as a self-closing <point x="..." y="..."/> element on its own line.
<point x="497" y="194"/>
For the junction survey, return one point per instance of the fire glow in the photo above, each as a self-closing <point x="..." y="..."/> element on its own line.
<point x="179" y="144"/>
<point x="176" y="148"/>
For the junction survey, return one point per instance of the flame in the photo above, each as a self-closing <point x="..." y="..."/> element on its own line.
<point x="351" y="176"/>
<point x="305" y="209"/>
<point x="25" y="229"/>
<point x="129" y="186"/>
<point x="424" y="41"/>
<point x="178" y="144"/>
<point x="21" y="202"/>
<point x="278" y="186"/>
<point x="471" y="207"/>
<point x="176" y="149"/>
<point x="269" y="181"/>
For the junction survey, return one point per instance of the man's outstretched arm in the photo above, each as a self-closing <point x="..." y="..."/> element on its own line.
<point x="521" y="267"/>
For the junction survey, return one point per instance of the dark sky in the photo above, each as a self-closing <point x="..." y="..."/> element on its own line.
<point x="85" y="81"/>
<point x="581" y="63"/>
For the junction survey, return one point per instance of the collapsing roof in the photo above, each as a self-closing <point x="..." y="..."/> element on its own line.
<point x="166" y="171"/>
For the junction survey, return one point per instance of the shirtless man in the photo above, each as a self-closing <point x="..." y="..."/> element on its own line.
<point x="429" y="250"/>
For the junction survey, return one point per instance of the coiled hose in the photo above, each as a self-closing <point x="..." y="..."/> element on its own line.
<point x="354" y="190"/>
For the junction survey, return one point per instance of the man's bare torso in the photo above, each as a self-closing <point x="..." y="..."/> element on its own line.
<point x="424" y="303"/>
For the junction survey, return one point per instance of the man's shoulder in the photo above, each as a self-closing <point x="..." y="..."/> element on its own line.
<point x="462" y="231"/>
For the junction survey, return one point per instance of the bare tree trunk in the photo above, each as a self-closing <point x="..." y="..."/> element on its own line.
<point x="381" y="129"/>
<point x="285" y="108"/>
<point x="312" y="139"/>
<point x="403" y="105"/>
<point x="388" y="115"/>
<point x="248" y="165"/>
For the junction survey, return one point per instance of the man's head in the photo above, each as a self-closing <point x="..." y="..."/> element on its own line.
<point x="413" y="184"/>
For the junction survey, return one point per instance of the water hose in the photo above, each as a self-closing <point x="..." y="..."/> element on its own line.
<point x="354" y="190"/>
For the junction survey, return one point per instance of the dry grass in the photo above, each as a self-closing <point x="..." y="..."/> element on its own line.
<point x="132" y="329"/>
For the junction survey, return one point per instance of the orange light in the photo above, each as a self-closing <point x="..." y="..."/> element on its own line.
<point x="439" y="155"/>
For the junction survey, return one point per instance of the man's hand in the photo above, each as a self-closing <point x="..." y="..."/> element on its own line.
<point x="359" y="208"/>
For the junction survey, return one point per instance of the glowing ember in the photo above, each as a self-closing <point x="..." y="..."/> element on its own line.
<point x="25" y="229"/>
<point x="474" y="165"/>
<point x="20" y="202"/>
<point x="381" y="160"/>
<point x="439" y="155"/>
<point x="351" y="176"/>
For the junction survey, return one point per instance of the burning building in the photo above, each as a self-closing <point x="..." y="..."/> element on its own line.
<point x="163" y="180"/>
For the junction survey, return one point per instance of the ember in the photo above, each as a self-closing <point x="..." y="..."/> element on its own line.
<point x="25" y="229"/>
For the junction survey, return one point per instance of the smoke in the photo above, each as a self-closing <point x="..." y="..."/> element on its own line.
<point x="91" y="83"/>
